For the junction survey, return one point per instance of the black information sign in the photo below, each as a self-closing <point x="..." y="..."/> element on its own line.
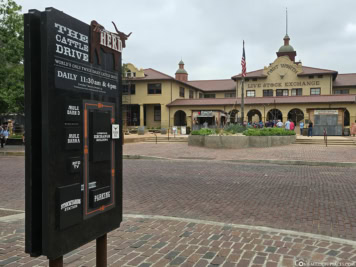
<point x="69" y="205"/>
<point x="73" y="101"/>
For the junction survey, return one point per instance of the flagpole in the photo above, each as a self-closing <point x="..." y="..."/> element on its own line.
<point x="243" y="74"/>
<point x="242" y="101"/>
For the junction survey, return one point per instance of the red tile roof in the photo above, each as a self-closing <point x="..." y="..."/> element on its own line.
<point x="316" y="71"/>
<point x="151" y="74"/>
<point x="203" y="85"/>
<point x="214" y="85"/>
<point x="345" y="80"/>
<point x="265" y="100"/>
<point x="306" y="71"/>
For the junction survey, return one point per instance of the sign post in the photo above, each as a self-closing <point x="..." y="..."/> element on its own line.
<point x="73" y="134"/>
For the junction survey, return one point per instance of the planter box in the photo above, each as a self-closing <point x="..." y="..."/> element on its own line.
<point x="196" y="140"/>
<point x="14" y="142"/>
<point x="239" y="141"/>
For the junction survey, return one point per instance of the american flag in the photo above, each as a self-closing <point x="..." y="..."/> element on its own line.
<point x="243" y="61"/>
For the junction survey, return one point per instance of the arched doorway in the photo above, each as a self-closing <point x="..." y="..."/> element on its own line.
<point x="295" y="115"/>
<point x="346" y="118"/>
<point x="254" y="115"/>
<point x="274" y="114"/>
<point x="233" y="116"/>
<point x="180" y="118"/>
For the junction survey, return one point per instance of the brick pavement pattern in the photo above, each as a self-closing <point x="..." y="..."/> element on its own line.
<point x="319" y="200"/>
<point x="155" y="242"/>
<point x="292" y="152"/>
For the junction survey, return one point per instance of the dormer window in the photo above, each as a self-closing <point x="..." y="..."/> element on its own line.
<point x="128" y="74"/>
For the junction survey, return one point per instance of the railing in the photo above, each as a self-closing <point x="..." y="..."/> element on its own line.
<point x="325" y="137"/>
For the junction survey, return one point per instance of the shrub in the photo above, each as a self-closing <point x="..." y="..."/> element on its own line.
<point x="234" y="128"/>
<point x="203" y="131"/>
<point x="195" y="132"/>
<point x="268" y="132"/>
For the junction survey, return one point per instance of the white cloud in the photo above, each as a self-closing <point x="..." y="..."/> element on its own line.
<point x="350" y="28"/>
<point x="208" y="34"/>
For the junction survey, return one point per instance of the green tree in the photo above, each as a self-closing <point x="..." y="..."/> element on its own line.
<point x="11" y="58"/>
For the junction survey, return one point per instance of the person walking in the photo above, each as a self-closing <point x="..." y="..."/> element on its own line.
<point x="1" y="136"/>
<point x="4" y="135"/>
<point x="292" y="126"/>
<point x="287" y="125"/>
<point x="310" y="129"/>
<point x="279" y="124"/>
<point x="301" y="125"/>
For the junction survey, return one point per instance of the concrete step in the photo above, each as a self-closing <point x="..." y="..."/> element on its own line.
<point x="165" y="139"/>
<point x="331" y="142"/>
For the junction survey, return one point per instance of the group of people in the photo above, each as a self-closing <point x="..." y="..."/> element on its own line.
<point x="288" y="125"/>
<point x="4" y="134"/>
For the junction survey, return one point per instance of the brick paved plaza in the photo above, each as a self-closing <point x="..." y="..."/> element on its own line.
<point x="190" y="212"/>
<point x="292" y="152"/>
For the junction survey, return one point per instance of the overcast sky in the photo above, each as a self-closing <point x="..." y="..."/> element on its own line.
<point x="208" y="34"/>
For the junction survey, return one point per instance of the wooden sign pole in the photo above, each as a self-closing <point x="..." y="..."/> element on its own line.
<point x="101" y="251"/>
<point x="57" y="262"/>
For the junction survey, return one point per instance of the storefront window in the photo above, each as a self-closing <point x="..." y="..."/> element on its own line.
<point x="181" y="91"/>
<point x="230" y="95"/>
<point x="209" y="95"/>
<point x="282" y="92"/>
<point x="128" y="89"/>
<point x="297" y="91"/>
<point x="154" y="88"/>
<point x="341" y="92"/>
<point x="250" y="93"/>
<point x="191" y="94"/>
<point x="157" y="113"/>
<point x="268" y="92"/>
<point x="314" y="91"/>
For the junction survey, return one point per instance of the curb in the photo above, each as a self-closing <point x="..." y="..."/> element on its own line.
<point x="264" y="161"/>
<point x="296" y="162"/>
<point x="244" y="226"/>
<point x="12" y="153"/>
<point x="21" y="216"/>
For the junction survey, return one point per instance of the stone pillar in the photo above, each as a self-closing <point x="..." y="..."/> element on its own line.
<point x="164" y="116"/>
<point x="352" y="119"/>
<point x="142" y="115"/>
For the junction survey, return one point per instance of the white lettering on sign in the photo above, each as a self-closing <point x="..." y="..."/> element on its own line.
<point x="279" y="85"/>
<point x="283" y="66"/>
<point x="71" y="43"/>
<point x="102" y="196"/>
<point x="73" y="139"/>
<point x="326" y="112"/>
<point x="71" y="204"/>
<point x="73" y="110"/>
<point x="66" y="75"/>
<point x="76" y="164"/>
<point x="111" y="40"/>
<point x="101" y="137"/>
<point x="115" y="131"/>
